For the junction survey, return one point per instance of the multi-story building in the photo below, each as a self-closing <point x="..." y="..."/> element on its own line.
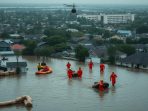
<point x="117" y="18"/>
<point x="110" y="18"/>
<point x="90" y="17"/>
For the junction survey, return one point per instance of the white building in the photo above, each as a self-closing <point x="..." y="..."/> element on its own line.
<point x="110" y="18"/>
<point x="72" y="30"/>
<point x="90" y="17"/>
<point x="117" y="18"/>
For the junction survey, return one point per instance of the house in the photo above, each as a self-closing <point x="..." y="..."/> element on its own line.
<point x="5" y="48"/>
<point x="101" y="52"/>
<point x="72" y="30"/>
<point x="120" y="55"/>
<point x="13" y="66"/>
<point x="92" y="53"/>
<point x="16" y="38"/>
<point x="34" y="37"/>
<point x="137" y="60"/>
<point x="42" y="44"/>
<point x="141" y="47"/>
<point x="124" y="33"/>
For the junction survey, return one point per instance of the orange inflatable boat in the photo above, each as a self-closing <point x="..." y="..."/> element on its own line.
<point x="44" y="72"/>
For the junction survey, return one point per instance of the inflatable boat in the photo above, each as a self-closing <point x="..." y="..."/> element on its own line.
<point x="74" y="75"/>
<point x="96" y="85"/>
<point x="44" y="72"/>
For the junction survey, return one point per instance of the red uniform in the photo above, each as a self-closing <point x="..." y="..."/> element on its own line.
<point x="113" y="77"/>
<point x="80" y="72"/>
<point x="90" y="64"/>
<point x="68" y="65"/>
<point x="69" y="72"/>
<point x="102" y="67"/>
<point x="45" y="68"/>
<point x="101" y="85"/>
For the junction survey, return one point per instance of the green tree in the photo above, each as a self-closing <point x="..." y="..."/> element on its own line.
<point x="4" y="35"/>
<point x="112" y="53"/>
<point x="116" y="41"/>
<point x="53" y="40"/>
<point x="107" y="34"/>
<point x="60" y="47"/>
<point x="81" y="53"/>
<point x="128" y="49"/>
<point x="30" y="46"/>
<point x="130" y="41"/>
<point x="143" y="40"/>
<point x="142" y="29"/>
<point x="44" y="51"/>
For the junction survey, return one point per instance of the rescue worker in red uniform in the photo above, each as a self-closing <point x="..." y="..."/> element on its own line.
<point x="45" y="68"/>
<point x="69" y="73"/>
<point x="68" y="65"/>
<point x="101" y="85"/>
<point x="102" y="67"/>
<point x="113" y="77"/>
<point x="90" y="65"/>
<point x="80" y="72"/>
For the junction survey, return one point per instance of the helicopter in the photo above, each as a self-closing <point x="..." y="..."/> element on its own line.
<point x="73" y="10"/>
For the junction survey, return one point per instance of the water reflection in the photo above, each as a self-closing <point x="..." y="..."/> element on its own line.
<point x="101" y="94"/>
<point x="113" y="89"/>
<point x="70" y="82"/>
<point x="16" y="106"/>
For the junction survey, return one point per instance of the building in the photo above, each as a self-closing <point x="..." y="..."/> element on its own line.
<point x="90" y="17"/>
<point x="110" y="18"/>
<point x="14" y="65"/>
<point x="141" y="47"/>
<point x="16" y="38"/>
<point x="5" y="48"/>
<point x="117" y="18"/>
<point x="124" y="33"/>
<point x="72" y="30"/>
<point x="137" y="60"/>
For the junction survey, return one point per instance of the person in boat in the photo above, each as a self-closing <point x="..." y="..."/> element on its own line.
<point x="68" y="65"/>
<point x="90" y="65"/>
<point x="113" y="77"/>
<point x="69" y="73"/>
<point x="102" y="67"/>
<point x="43" y="64"/>
<point x="80" y="72"/>
<point x="39" y="67"/>
<point x="101" y="85"/>
<point x="45" y="68"/>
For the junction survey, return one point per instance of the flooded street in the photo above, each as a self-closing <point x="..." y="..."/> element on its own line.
<point x="54" y="92"/>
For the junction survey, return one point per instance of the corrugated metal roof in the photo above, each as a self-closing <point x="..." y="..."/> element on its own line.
<point x="140" y="58"/>
<point x="14" y="64"/>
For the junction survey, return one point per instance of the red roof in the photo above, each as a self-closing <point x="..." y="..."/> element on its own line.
<point x="17" y="47"/>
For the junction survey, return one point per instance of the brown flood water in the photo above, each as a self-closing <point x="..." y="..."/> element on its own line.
<point x="54" y="92"/>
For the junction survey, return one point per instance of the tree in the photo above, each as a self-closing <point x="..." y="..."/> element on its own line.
<point x="143" y="41"/>
<point x="4" y="35"/>
<point x="44" y="51"/>
<point x="112" y="53"/>
<point x="53" y="40"/>
<point x="107" y="34"/>
<point x="116" y="41"/>
<point x="30" y="46"/>
<point x="130" y="41"/>
<point x="60" y="47"/>
<point x="81" y="53"/>
<point x="142" y="29"/>
<point x="128" y="49"/>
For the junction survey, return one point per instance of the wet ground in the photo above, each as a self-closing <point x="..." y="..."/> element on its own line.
<point x="54" y="92"/>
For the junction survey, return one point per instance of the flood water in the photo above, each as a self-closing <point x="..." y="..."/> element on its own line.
<point x="54" y="92"/>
